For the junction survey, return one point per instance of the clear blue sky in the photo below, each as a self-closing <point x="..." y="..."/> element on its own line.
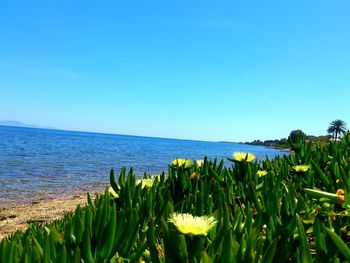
<point x="207" y="70"/>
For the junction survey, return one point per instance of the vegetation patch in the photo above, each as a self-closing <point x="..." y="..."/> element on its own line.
<point x="293" y="208"/>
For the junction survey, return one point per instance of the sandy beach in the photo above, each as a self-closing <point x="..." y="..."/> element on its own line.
<point x="16" y="216"/>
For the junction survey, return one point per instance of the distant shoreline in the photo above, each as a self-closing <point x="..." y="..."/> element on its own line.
<point x="270" y="146"/>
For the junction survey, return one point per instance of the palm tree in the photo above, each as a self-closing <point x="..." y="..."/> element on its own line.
<point x="336" y="128"/>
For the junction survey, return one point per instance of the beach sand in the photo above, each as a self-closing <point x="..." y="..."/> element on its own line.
<point x="15" y="217"/>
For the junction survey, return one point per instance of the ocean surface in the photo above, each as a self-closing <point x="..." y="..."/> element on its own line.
<point x="41" y="163"/>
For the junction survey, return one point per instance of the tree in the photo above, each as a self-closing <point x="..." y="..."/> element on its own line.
<point x="296" y="140"/>
<point x="295" y="135"/>
<point x="336" y="127"/>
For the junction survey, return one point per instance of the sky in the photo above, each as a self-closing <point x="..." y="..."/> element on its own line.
<point x="203" y="70"/>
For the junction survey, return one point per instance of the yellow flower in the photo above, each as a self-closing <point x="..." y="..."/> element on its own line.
<point x="181" y="162"/>
<point x="301" y="168"/>
<point x="192" y="225"/>
<point x="113" y="193"/>
<point x="242" y="156"/>
<point x="261" y="173"/>
<point x="200" y="162"/>
<point x="146" y="182"/>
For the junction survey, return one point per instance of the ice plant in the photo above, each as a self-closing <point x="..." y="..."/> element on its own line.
<point x="242" y="156"/>
<point x="181" y="162"/>
<point x="340" y="194"/>
<point x="192" y="225"/>
<point x="301" y="168"/>
<point x="261" y="173"/>
<point x="113" y="193"/>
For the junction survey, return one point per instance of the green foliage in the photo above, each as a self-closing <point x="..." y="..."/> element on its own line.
<point x="285" y="216"/>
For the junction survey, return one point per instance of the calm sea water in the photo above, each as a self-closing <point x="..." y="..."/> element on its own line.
<point x="38" y="163"/>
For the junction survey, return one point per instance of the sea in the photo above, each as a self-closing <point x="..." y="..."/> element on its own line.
<point x="37" y="164"/>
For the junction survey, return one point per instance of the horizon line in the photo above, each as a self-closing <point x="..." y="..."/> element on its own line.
<point x="28" y="126"/>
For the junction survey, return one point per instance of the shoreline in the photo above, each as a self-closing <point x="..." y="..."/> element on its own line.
<point x="18" y="216"/>
<point x="270" y="146"/>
